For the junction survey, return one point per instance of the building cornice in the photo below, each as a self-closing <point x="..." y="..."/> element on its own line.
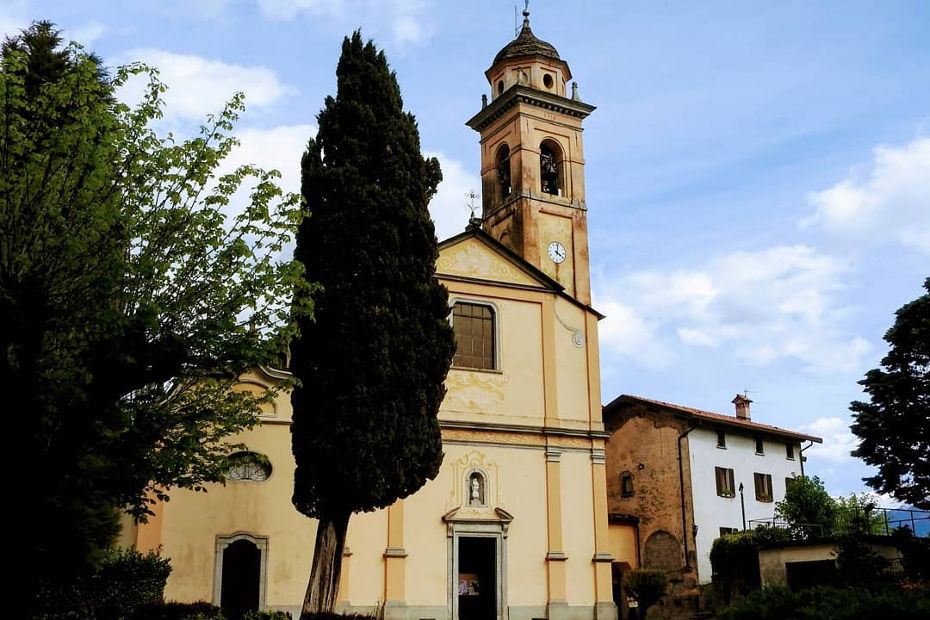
<point x="518" y="94"/>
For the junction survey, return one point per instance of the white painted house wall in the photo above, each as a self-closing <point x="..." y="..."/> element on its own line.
<point x="711" y="512"/>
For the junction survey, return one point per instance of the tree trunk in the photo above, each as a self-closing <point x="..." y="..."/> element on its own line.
<point x="327" y="565"/>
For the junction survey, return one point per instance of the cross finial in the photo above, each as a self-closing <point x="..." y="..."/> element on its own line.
<point x="526" y="13"/>
<point x="473" y="221"/>
<point x="472" y="196"/>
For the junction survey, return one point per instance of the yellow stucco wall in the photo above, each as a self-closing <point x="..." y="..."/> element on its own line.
<point x="542" y="379"/>
<point x="572" y="370"/>
<point x="623" y="543"/>
<point x="192" y="521"/>
<point x="578" y="531"/>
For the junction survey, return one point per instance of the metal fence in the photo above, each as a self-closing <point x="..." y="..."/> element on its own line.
<point x="858" y="520"/>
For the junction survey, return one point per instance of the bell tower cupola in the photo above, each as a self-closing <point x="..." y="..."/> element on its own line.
<point x="532" y="160"/>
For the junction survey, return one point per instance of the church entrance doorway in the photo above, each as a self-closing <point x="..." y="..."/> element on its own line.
<point x="241" y="574"/>
<point x="477" y="577"/>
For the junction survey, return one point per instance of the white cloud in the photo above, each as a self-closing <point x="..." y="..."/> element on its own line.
<point x="762" y="306"/>
<point x="890" y="202"/>
<point x="87" y="34"/>
<point x="199" y="86"/>
<point x="627" y="333"/>
<point x="449" y="207"/>
<point x="279" y="147"/>
<point x="838" y="440"/>
<point x="401" y="22"/>
<point x="289" y="9"/>
<point x="14" y="16"/>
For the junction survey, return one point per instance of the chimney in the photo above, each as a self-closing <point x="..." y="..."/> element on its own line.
<point x="742" y="407"/>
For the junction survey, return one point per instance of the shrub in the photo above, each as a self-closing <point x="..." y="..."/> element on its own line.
<point x="772" y="602"/>
<point x="179" y="611"/>
<point x="336" y="616"/>
<point x="735" y="559"/>
<point x="831" y="602"/>
<point x="858" y="565"/>
<point x="646" y="586"/>
<point x="124" y="580"/>
<point x="915" y="554"/>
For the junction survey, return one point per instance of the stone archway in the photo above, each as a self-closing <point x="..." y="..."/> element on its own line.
<point x="662" y="551"/>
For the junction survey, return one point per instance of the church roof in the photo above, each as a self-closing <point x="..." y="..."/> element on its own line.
<point x="527" y="267"/>
<point x="526" y="44"/>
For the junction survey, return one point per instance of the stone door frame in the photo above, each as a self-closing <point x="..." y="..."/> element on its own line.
<point x="224" y="541"/>
<point x="469" y="526"/>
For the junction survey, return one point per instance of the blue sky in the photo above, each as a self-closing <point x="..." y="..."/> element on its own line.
<point x="758" y="173"/>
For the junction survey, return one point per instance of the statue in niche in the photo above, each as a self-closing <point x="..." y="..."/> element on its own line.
<point x="476" y="490"/>
<point x="548" y="171"/>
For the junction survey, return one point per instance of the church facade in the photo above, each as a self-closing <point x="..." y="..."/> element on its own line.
<point x="515" y="525"/>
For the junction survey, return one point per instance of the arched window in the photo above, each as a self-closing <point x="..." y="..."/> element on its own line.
<point x="503" y="170"/>
<point x="248" y="466"/>
<point x="550" y="168"/>
<point x="473" y="325"/>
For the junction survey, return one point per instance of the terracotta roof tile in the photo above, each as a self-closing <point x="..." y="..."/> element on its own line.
<point x="710" y="416"/>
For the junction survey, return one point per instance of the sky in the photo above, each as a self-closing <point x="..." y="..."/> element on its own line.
<point x="757" y="173"/>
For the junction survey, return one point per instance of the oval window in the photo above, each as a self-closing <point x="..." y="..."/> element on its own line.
<point x="547" y="81"/>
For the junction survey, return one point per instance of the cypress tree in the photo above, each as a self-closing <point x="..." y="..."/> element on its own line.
<point x="372" y="363"/>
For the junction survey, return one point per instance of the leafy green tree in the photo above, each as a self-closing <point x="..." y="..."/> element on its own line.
<point x="807" y="508"/>
<point x="132" y="293"/>
<point x="857" y="514"/>
<point x="372" y="362"/>
<point x="894" y="426"/>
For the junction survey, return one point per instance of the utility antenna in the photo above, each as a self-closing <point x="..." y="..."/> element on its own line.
<point x="515" y="31"/>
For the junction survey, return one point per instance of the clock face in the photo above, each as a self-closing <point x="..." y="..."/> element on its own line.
<point x="557" y="252"/>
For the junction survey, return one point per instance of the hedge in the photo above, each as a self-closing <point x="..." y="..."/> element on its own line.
<point x="834" y="603"/>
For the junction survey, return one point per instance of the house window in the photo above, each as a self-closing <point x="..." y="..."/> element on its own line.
<point x="763" y="487"/>
<point x="789" y="483"/>
<point x="789" y="450"/>
<point x="760" y="447"/>
<point x="728" y="530"/>
<point x="725" y="486"/>
<point x="626" y="484"/>
<point x="721" y="439"/>
<point x="474" y="336"/>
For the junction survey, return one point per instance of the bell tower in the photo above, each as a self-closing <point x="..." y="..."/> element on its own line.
<point x="532" y="161"/>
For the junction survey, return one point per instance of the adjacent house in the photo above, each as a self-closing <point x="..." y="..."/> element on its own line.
<point x="688" y="476"/>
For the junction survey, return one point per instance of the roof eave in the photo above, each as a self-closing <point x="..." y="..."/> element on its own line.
<point x="533" y="271"/>
<point x="735" y="423"/>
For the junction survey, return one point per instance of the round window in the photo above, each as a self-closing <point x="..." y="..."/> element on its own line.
<point x="547" y="80"/>
<point x="500" y="87"/>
